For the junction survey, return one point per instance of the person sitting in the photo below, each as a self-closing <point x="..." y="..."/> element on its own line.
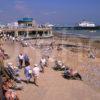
<point x="12" y="71"/>
<point x="59" y="47"/>
<point x="70" y="73"/>
<point x="11" y="95"/>
<point x="59" y="65"/>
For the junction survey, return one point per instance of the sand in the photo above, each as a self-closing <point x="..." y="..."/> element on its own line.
<point x="52" y="85"/>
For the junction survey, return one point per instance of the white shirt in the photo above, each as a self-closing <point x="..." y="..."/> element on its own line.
<point x="60" y="63"/>
<point x="21" y="57"/>
<point x="43" y="61"/>
<point x="36" y="71"/>
<point x="13" y="38"/>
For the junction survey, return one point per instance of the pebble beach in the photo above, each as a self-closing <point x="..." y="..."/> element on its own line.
<point x="52" y="85"/>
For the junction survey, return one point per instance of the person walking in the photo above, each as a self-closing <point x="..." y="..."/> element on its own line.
<point x="36" y="71"/>
<point x="20" y="58"/>
<point x="28" y="73"/>
<point x="42" y="64"/>
<point x="26" y="59"/>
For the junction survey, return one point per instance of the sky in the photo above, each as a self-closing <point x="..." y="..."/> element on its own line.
<point x="64" y="12"/>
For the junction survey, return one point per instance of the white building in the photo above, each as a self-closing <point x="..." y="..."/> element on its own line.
<point x="49" y="25"/>
<point x="86" y="24"/>
<point x="12" y="25"/>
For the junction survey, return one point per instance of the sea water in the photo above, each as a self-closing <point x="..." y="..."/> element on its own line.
<point x="92" y="34"/>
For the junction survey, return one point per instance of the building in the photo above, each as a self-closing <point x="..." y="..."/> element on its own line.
<point x="25" y="22"/>
<point x="86" y="24"/>
<point x="27" y="28"/>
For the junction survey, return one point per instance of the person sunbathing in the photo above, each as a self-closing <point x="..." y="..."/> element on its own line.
<point x="70" y="73"/>
<point x="11" y="95"/>
<point x="59" y="65"/>
<point x="11" y="71"/>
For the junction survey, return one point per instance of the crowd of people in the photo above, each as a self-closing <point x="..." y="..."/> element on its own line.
<point x="68" y="72"/>
<point x="10" y="79"/>
<point x="13" y="74"/>
<point x="6" y="93"/>
<point x="30" y="72"/>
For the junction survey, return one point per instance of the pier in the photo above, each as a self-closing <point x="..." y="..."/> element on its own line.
<point x="33" y="32"/>
<point x="27" y="28"/>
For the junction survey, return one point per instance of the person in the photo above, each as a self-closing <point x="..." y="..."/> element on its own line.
<point x="36" y="72"/>
<point x="2" y="68"/>
<point x="70" y="71"/>
<point x="28" y="73"/>
<point x="26" y="59"/>
<point x="20" y="58"/>
<point x="42" y="64"/>
<point x="13" y="38"/>
<point x="2" y="97"/>
<point x="91" y="54"/>
<point x="11" y="95"/>
<point x="8" y="92"/>
<point x="51" y="45"/>
<point x="59" y="47"/>
<point x="10" y="70"/>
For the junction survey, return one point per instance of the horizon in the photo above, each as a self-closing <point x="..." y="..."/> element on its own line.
<point x="63" y="12"/>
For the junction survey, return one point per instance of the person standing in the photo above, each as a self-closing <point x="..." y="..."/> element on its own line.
<point x="13" y="38"/>
<point x="26" y="59"/>
<point x="36" y="71"/>
<point x="20" y="58"/>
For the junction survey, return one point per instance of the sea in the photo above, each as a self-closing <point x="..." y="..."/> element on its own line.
<point x="91" y="34"/>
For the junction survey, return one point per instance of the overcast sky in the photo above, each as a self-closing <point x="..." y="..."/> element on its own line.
<point x="66" y="12"/>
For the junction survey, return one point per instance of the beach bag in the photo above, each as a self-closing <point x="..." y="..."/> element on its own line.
<point x="18" y="79"/>
<point x="30" y="71"/>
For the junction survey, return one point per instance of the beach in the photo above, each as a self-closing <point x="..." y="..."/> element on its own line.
<point x="52" y="85"/>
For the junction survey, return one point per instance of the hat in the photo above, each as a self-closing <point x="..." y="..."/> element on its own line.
<point x="10" y="64"/>
<point x="35" y="65"/>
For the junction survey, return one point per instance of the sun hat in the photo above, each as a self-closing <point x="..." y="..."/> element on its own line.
<point x="10" y="64"/>
<point x="35" y="65"/>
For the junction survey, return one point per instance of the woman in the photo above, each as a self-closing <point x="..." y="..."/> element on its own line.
<point x="28" y="73"/>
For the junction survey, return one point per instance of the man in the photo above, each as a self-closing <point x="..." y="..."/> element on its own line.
<point x="36" y="72"/>
<point x="26" y="59"/>
<point x="43" y="63"/>
<point x="20" y="58"/>
<point x="28" y="73"/>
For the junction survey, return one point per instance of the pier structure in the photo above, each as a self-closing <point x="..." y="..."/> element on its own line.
<point x="27" y="28"/>
<point x="33" y="32"/>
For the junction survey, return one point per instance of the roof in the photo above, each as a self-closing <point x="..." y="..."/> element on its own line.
<point x="25" y="19"/>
